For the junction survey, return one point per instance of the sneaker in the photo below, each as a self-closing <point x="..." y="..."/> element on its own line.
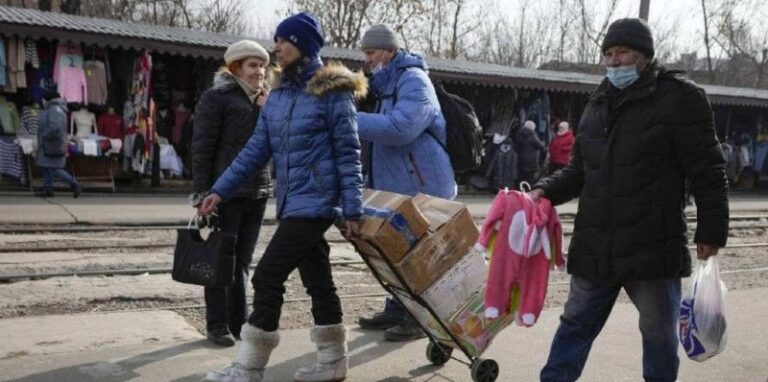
<point x="404" y="332"/>
<point x="380" y="321"/>
<point x="221" y="337"/>
<point x="44" y="194"/>
<point x="235" y="373"/>
<point x="76" y="191"/>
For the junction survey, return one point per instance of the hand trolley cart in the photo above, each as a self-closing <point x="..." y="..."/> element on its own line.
<point x="438" y="351"/>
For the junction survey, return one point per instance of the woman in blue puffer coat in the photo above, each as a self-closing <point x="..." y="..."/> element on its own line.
<point x="309" y="128"/>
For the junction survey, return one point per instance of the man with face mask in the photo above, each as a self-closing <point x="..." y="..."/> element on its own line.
<point x="405" y="135"/>
<point x="644" y="132"/>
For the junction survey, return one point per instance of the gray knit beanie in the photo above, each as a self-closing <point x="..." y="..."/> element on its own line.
<point x="243" y="49"/>
<point x="380" y="37"/>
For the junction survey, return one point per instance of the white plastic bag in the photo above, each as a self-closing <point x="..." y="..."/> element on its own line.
<point x="702" y="313"/>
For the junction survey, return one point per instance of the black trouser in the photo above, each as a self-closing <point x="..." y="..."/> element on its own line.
<point x="227" y="307"/>
<point x="297" y="243"/>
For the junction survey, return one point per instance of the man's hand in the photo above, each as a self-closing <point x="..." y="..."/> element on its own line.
<point x="705" y="251"/>
<point x="535" y="194"/>
<point x="209" y="204"/>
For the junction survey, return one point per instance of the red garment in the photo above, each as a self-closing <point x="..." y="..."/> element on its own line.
<point x="529" y="240"/>
<point x="110" y="126"/>
<point x="560" y="148"/>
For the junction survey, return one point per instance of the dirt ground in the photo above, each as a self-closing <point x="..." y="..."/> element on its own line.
<point x="361" y="295"/>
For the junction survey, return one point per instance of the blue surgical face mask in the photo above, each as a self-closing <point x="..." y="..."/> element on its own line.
<point x="622" y="76"/>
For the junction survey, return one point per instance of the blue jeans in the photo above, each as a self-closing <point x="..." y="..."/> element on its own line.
<point x="588" y="307"/>
<point x="49" y="173"/>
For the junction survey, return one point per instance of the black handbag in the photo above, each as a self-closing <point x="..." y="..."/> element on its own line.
<point x="208" y="262"/>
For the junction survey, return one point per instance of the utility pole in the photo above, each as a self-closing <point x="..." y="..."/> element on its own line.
<point x="644" y="6"/>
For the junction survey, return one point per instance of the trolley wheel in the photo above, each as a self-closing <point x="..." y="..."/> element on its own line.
<point x="438" y="354"/>
<point x="484" y="370"/>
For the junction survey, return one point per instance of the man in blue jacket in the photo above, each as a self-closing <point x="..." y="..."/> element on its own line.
<point x="405" y="133"/>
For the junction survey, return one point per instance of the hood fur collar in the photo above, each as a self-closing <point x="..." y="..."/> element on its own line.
<point x="331" y="77"/>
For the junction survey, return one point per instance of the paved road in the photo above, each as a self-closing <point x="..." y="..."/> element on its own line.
<point x="160" y="346"/>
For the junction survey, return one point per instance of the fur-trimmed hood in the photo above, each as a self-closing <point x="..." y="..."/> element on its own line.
<point x="223" y="79"/>
<point x="331" y="77"/>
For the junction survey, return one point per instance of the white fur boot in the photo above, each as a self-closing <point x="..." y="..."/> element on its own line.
<point x="332" y="358"/>
<point x="252" y="357"/>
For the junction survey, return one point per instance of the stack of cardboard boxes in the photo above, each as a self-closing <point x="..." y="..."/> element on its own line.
<point x="428" y="241"/>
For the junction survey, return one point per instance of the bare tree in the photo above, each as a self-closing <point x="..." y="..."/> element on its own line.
<point x="744" y="42"/>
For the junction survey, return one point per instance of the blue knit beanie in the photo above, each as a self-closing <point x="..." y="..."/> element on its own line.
<point x="304" y="31"/>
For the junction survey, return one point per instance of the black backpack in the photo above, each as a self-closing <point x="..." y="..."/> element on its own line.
<point x="464" y="135"/>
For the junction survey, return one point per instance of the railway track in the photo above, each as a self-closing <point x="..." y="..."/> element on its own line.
<point x="75" y="228"/>
<point x="169" y="244"/>
<point x="165" y="270"/>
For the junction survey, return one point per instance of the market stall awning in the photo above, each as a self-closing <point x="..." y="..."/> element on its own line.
<point x="103" y="32"/>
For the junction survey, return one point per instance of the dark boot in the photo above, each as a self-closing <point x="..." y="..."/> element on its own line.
<point x="391" y="316"/>
<point x="76" y="191"/>
<point x="221" y="337"/>
<point x="407" y="331"/>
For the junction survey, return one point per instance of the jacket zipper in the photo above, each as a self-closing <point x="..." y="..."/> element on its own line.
<point x="319" y="181"/>
<point x="416" y="169"/>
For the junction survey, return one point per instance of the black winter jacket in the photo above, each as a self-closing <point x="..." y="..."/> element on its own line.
<point x="224" y="121"/>
<point x="633" y="153"/>
<point x="528" y="146"/>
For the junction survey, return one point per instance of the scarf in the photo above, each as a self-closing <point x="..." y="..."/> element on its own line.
<point x="249" y="90"/>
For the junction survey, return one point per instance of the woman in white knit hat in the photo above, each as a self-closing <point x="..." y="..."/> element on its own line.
<point x="225" y="118"/>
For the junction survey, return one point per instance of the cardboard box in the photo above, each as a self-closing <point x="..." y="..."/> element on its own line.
<point x="391" y="222"/>
<point x="457" y="286"/>
<point x="473" y="330"/>
<point x="435" y="253"/>
<point x="385" y="272"/>
<point x="437" y="211"/>
<point x="468" y="324"/>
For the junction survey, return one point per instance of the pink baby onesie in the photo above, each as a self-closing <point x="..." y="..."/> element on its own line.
<point x="528" y="244"/>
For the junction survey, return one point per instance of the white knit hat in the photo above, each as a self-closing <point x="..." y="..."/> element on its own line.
<point x="243" y="49"/>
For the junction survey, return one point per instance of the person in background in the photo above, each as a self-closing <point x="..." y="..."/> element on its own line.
<point x="528" y="147"/>
<point x="560" y="148"/>
<point x="308" y="127"/>
<point x="406" y="156"/>
<point x="51" y="155"/>
<point x="226" y="118"/>
<point x="644" y="131"/>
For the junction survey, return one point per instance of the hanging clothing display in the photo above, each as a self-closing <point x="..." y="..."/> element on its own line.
<point x="11" y="159"/>
<point x="40" y="80"/>
<point x="528" y="244"/>
<point x="3" y="64"/>
<point x="32" y="56"/>
<point x="110" y="125"/>
<point x="68" y="73"/>
<point x="141" y="81"/>
<point x="9" y="117"/>
<point x="96" y="82"/>
<point x="30" y="121"/>
<point x="17" y="79"/>
<point x="180" y="117"/>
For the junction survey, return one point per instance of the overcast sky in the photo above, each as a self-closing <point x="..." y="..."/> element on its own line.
<point x="685" y="15"/>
